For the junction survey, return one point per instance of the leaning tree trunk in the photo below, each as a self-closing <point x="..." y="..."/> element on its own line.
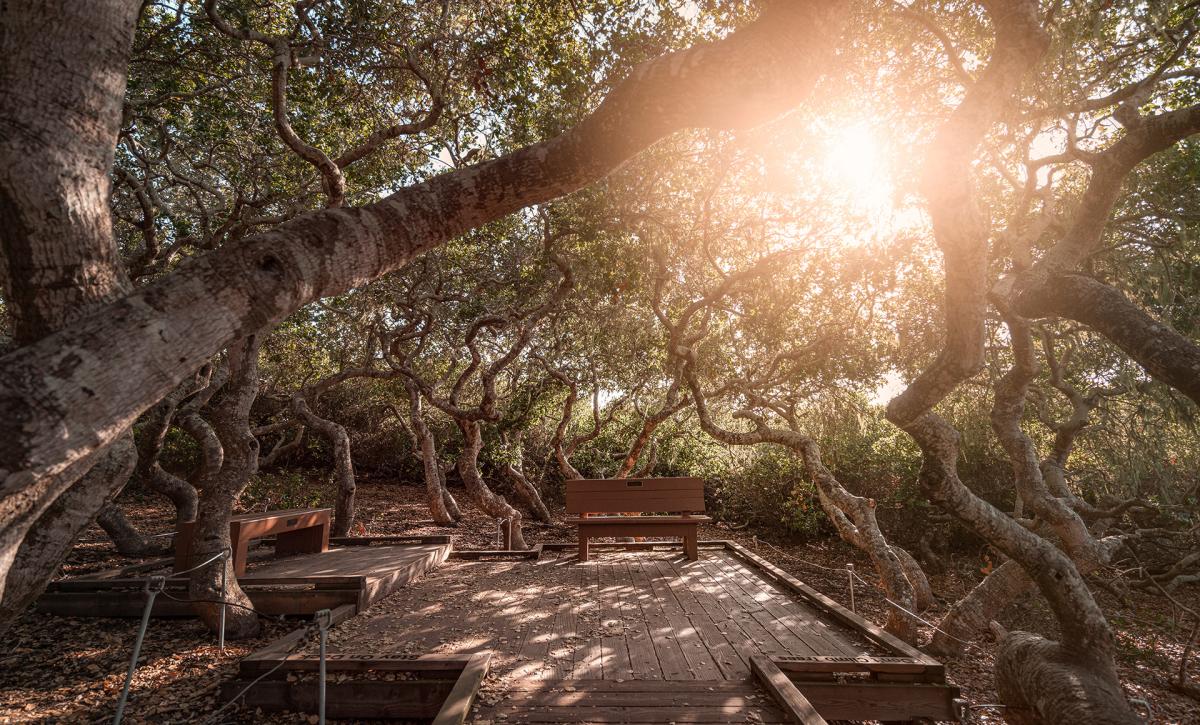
<point x="343" y="465"/>
<point x="853" y="516"/>
<point x="447" y="497"/>
<point x="1007" y="583"/>
<point x="128" y="540"/>
<point x="218" y="494"/>
<point x="1037" y="678"/>
<point x="149" y="439"/>
<point x="442" y="506"/>
<point x="526" y="490"/>
<point x="492" y="504"/>
<point x="125" y="359"/>
<point x="48" y="543"/>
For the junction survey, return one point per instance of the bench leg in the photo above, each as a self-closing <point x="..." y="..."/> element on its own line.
<point x="583" y="545"/>
<point x="689" y="546"/>
<point x="240" y="548"/>
<point x="183" y="544"/>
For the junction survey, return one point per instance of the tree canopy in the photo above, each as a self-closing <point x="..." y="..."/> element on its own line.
<point x="926" y="261"/>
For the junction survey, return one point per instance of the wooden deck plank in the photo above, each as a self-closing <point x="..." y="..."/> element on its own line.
<point x="662" y="634"/>
<point x="457" y="706"/>
<point x="726" y="658"/>
<point x="888" y="641"/>
<point x="769" y="616"/>
<point x="797" y="616"/>
<point x="587" y="662"/>
<point x="617" y="662"/>
<point x="741" y="609"/>
<point x="642" y="658"/>
<point x="541" y="636"/>
<point x="629" y="637"/>
<point x="701" y="663"/>
<point x="705" y="591"/>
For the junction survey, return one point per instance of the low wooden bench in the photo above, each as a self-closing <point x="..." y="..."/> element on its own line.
<point x="297" y="531"/>
<point x="676" y="500"/>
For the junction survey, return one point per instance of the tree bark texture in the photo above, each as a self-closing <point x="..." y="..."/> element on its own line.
<point x="219" y="493"/>
<point x="48" y="543"/>
<point x="63" y="83"/>
<point x="442" y="506"/>
<point x="493" y="504"/>
<point x="124" y="535"/>
<point x="524" y="488"/>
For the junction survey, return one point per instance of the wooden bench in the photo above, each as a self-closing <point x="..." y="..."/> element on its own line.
<point x="297" y="531"/>
<point x="676" y="499"/>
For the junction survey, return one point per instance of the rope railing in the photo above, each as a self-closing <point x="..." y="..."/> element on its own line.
<point x="308" y="631"/>
<point x="156" y="585"/>
<point x="852" y="575"/>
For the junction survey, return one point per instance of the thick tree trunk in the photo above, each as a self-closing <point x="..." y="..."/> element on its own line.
<point x="961" y="231"/>
<point x="219" y="493"/>
<point x="128" y="540"/>
<point x="1042" y="682"/>
<point x="1163" y="352"/>
<point x="343" y="465"/>
<point x="492" y="504"/>
<point x="50" y="540"/>
<point x="63" y="91"/>
<point x="103" y="372"/>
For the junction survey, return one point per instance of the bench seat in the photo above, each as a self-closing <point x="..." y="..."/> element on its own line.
<point x="605" y="519"/>
<point x="592" y="498"/>
<point x="297" y="531"/>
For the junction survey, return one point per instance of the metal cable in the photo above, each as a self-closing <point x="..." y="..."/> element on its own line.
<point x="308" y="632"/>
<point x="920" y="619"/>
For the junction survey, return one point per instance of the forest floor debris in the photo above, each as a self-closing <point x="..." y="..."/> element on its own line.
<point x="60" y="670"/>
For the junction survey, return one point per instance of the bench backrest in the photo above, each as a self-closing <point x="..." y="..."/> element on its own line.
<point x="641" y="495"/>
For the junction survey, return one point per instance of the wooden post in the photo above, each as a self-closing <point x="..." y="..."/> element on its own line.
<point x="583" y="545"/>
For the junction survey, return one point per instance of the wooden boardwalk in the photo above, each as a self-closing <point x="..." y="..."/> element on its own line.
<point x="358" y="575"/>
<point x="627" y="637"/>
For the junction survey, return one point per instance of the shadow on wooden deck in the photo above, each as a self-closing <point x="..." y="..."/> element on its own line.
<point x="352" y="574"/>
<point x="648" y="636"/>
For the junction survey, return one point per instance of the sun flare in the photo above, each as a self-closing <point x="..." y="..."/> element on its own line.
<point x="856" y="165"/>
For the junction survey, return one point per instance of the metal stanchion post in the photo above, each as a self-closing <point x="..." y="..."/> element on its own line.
<point x="850" y="574"/>
<point x="151" y="592"/>
<point x="221" y="634"/>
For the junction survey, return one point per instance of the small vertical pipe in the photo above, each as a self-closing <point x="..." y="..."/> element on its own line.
<point x="221" y="631"/>
<point x="850" y="576"/>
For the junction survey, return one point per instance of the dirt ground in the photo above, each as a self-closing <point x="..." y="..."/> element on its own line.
<point x="66" y="670"/>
